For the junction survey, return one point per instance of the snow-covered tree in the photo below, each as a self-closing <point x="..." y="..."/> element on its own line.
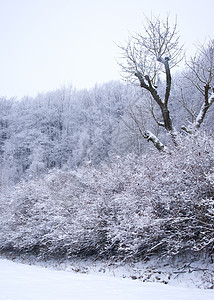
<point x="149" y="55"/>
<point x="63" y="129"/>
<point x="200" y="74"/>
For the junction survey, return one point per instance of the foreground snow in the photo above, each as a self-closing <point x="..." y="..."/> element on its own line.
<point x="24" y="282"/>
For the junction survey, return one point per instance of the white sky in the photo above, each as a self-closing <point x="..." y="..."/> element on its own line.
<point x="46" y="44"/>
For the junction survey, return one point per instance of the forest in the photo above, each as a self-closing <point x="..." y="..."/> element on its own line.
<point x="124" y="170"/>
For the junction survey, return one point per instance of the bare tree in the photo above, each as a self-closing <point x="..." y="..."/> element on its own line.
<point x="147" y="56"/>
<point x="200" y="74"/>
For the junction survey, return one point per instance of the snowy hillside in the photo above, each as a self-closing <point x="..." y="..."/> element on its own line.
<point x="23" y="282"/>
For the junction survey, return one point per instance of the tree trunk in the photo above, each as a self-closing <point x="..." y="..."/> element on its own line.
<point x="208" y="101"/>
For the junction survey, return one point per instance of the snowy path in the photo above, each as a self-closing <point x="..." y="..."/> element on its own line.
<point x="23" y="282"/>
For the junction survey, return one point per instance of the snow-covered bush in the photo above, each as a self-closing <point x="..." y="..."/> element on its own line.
<point x="135" y="207"/>
<point x="161" y="203"/>
<point x="49" y="217"/>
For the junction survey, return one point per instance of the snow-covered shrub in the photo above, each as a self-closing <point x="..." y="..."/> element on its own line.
<point x="158" y="204"/>
<point x="49" y="217"/>
<point x="161" y="203"/>
<point x="182" y="198"/>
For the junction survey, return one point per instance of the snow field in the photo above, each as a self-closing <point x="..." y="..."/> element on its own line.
<point x="24" y="282"/>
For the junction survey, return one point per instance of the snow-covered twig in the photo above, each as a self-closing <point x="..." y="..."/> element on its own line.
<point x="157" y="143"/>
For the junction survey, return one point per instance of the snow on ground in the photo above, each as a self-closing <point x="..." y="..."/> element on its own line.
<point x="24" y="282"/>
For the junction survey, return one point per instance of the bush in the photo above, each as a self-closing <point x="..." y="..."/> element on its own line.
<point x="159" y="204"/>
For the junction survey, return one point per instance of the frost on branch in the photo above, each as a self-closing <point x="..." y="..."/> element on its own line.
<point x="157" y="143"/>
<point x="211" y="99"/>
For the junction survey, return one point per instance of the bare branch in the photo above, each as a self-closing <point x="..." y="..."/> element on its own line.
<point x="142" y="131"/>
<point x="206" y="105"/>
<point x="141" y="53"/>
<point x="141" y="127"/>
<point x="208" y="101"/>
<point x="200" y="70"/>
<point x="151" y="137"/>
<point x="151" y="109"/>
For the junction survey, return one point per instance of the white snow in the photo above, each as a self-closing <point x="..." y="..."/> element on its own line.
<point x="24" y="282"/>
<point x="211" y="99"/>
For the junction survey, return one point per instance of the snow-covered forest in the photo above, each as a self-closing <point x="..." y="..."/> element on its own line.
<point x="62" y="129"/>
<point x="65" y="129"/>
<point x="113" y="172"/>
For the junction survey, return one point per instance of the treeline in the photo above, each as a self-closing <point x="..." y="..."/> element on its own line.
<point x="62" y="129"/>
<point x="65" y="128"/>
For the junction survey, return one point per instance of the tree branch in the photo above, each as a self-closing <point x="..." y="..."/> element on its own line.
<point x="206" y="105"/>
<point x="165" y="62"/>
<point x="208" y="101"/>
<point x="156" y="142"/>
<point x="142" y="81"/>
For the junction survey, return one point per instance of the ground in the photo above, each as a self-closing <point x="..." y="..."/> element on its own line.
<point x="28" y="282"/>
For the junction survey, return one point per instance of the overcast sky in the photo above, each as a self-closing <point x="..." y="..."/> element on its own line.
<point x="46" y="44"/>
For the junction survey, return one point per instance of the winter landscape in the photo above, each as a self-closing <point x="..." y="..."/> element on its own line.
<point x="108" y="192"/>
